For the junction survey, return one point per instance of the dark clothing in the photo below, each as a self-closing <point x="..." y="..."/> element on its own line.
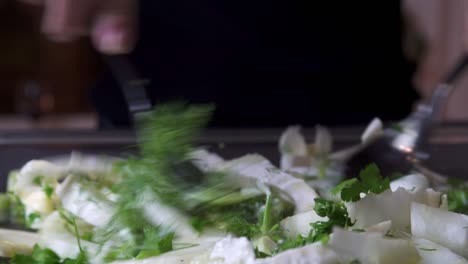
<point x="272" y="63"/>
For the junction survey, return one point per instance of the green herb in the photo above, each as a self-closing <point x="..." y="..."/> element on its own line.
<point x="456" y="183"/>
<point x="344" y="185"/>
<point x="322" y="168"/>
<point x="428" y="249"/>
<point x="144" y="240"/>
<point x="32" y="218"/>
<point x="165" y="140"/>
<point x="154" y="243"/>
<point x="46" y="256"/>
<point x="359" y="230"/>
<point x="458" y="200"/>
<point x="259" y="254"/>
<point x="4" y="207"/>
<point x="397" y="127"/>
<point x="48" y="190"/>
<point x="17" y="210"/>
<point x="70" y="219"/>
<point x="38" y="180"/>
<point x="337" y="215"/>
<point x="355" y="262"/>
<point x="165" y="137"/>
<point x="371" y="181"/>
<point x="266" y="219"/>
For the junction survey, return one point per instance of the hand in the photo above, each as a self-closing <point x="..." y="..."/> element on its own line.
<point x="111" y="24"/>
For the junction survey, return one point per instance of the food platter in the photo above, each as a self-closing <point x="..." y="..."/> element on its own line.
<point x="446" y="148"/>
<point x="449" y="142"/>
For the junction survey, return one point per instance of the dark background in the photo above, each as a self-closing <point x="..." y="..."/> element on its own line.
<point x="263" y="63"/>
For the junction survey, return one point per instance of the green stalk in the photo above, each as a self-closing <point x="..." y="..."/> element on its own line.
<point x="266" y="221"/>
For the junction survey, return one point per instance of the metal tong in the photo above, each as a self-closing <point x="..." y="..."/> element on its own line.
<point x="402" y="150"/>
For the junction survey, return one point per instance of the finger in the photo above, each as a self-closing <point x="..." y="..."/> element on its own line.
<point x="65" y="20"/>
<point x="114" y="29"/>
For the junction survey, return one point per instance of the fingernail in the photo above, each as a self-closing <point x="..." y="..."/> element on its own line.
<point x="112" y="42"/>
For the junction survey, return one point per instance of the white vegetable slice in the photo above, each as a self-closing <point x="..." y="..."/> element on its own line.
<point x="432" y="253"/>
<point x="197" y="254"/>
<point x="373" y="248"/>
<point x="323" y="142"/>
<point x="230" y="250"/>
<point x="28" y="186"/>
<point x="373" y="130"/>
<point x="394" y="206"/>
<point x="257" y="168"/>
<point x="293" y="142"/>
<point x="445" y="228"/>
<point x="410" y="182"/>
<point x="382" y="228"/>
<point x="265" y="245"/>
<point x="85" y="202"/>
<point x="160" y="214"/>
<point x="293" y="148"/>
<point x="12" y="241"/>
<point x="206" y="160"/>
<point x="34" y="169"/>
<point x="56" y="237"/>
<point x="299" y="224"/>
<point x="37" y="202"/>
<point x="315" y="253"/>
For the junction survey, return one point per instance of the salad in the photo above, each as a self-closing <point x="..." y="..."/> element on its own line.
<point x="177" y="203"/>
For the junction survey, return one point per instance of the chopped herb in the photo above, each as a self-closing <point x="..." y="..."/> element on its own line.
<point x="4" y="207"/>
<point x="266" y="219"/>
<point x="428" y="249"/>
<point x="17" y="210"/>
<point x="155" y="243"/>
<point x="458" y="200"/>
<point x="456" y="183"/>
<point x="38" y="180"/>
<point x="48" y="190"/>
<point x="466" y="227"/>
<point x="32" y="218"/>
<point x="260" y="255"/>
<point x="397" y="127"/>
<point x="344" y="185"/>
<point x="322" y="168"/>
<point x="337" y="215"/>
<point x="371" y="181"/>
<point x="46" y="256"/>
<point x="359" y="230"/>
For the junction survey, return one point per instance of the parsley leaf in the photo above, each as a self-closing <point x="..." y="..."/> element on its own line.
<point x="46" y="256"/>
<point x="38" y="180"/>
<point x="337" y="215"/>
<point x="458" y="200"/>
<point x="17" y="210"/>
<point x="371" y="182"/>
<point x="155" y="243"/>
<point x="48" y="190"/>
<point x="32" y="218"/>
<point x="344" y="185"/>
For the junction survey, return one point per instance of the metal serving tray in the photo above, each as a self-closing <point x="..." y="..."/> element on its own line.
<point x="448" y="149"/>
